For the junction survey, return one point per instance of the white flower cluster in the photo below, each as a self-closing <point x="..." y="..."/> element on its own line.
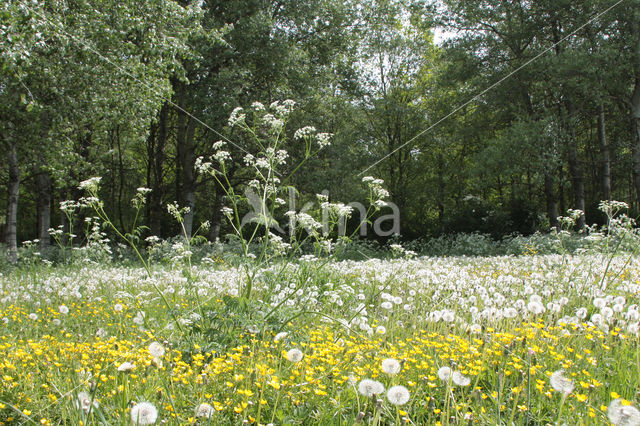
<point x="237" y="117"/>
<point x="376" y="190"/>
<point x="90" y="185"/>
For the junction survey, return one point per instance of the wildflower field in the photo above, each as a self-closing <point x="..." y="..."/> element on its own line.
<point x="537" y="339"/>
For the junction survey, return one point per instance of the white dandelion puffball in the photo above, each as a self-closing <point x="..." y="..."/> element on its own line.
<point x="459" y="379"/>
<point x="535" y="308"/>
<point x="144" y="413"/>
<point x="63" y="309"/>
<point x="33" y="316"/>
<point x="126" y="367"/>
<point x="623" y="415"/>
<point x="581" y="313"/>
<point x="204" y="410"/>
<point x="85" y="402"/>
<point x="448" y="316"/>
<point x="561" y="383"/>
<point x="280" y="336"/>
<point x="156" y="362"/>
<point x="475" y="329"/>
<point x="295" y="355"/>
<point x="156" y="350"/>
<point x="369" y="388"/>
<point x="118" y="307"/>
<point x="398" y="395"/>
<point x="391" y="366"/>
<point x="444" y="373"/>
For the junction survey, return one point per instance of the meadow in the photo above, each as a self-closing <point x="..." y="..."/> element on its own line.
<point x="530" y="339"/>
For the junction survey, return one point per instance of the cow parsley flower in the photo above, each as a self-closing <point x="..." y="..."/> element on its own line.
<point x="236" y="117"/>
<point x="90" y="185"/>
<point x="323" y="139"/>
<point x="257" y="106"/>
<point x="398" y="395"/>
<point x="369" y="388"/>
<point x="620" y="414"/>
<point x="391" y="366"/>
<point x="144" y="413"/>
<point x="304" y="132"/>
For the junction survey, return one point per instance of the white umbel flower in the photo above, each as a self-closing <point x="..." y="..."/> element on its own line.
<point x="144" y="413"/>
<point x="561" y="383"/>
<point x="398" y="395"/>
<point x="623" y="415"/>
<point x="391" y="366"/>
<point x="369" y="388"/>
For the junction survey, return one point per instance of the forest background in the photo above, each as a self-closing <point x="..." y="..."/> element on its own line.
<point x="524" y="110"/>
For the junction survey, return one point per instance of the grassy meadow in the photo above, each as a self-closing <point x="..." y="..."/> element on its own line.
<point x="533" y="339"/>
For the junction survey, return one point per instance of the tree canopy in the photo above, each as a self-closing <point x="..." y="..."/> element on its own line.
<point x="528" y="109"/>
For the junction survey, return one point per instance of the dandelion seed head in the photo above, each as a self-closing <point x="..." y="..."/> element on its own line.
<point x="369" y="388"/>
<point x="560" y="383"/>
<point x="459" y="379"/>
<point x="391" y="366"/>
<point x="295" y="355"/>
<point x="156" y="349"/>
<point x="623" y="415"/>
<point x="444" y="373"/>
<point x="398" y="395"/>
<point x="144" y="413"/>
<point x="204" y="410"/>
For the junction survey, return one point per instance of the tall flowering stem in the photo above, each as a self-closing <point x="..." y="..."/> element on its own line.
<point x="91" y="186"/>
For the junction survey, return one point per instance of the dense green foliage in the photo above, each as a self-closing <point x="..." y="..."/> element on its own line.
<point x="516" y="118"/>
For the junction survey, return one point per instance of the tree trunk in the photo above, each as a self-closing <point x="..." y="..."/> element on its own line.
<point x="121" y="178"/>
<point x="12" y="207"/>
<point x="44" y="191"/>
<point x="188" y="178"/>
<point x="605" y="154"/>
<point x="552" y="201"/>
<point x="635" y="108"/>
<point x="157" y="187"/>
<point x="577" y="179"/>
<point x="441" y="191"/>
<point x="216" y="216"/>
<point x="635" y="144"/>
<point x="185" y="182"/>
